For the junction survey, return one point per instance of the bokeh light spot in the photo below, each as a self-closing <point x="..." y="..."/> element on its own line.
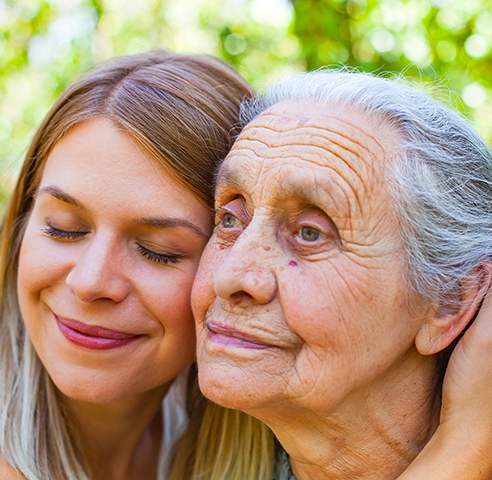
<point x="272" y="12"/>
<point x="235" y="44"/>
<point x="474" y="95"/>
<point x="382" y="40"/>
<point x="477" y="46"/>
<point x="446" y="51"/>
<point x="416" y="48"/>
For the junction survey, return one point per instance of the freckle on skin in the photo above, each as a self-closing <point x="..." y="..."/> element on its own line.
<point x="266" y="248"/>
<point x="339" y="441"/>
<point x="292" y="263"/>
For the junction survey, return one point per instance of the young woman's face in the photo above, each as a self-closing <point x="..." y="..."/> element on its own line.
<point x="106" y="267"/>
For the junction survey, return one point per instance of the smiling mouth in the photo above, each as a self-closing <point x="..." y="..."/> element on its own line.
<point x="93" y="336"/>
<point x="230" y="337"/>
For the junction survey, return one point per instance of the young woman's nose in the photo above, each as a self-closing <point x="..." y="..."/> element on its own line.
<point x="99" y="272"/>
<point x="245" y="272"/>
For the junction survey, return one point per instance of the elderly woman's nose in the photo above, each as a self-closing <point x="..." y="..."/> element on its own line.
<point x="98" y="273"/>
<point x="245" y="272"/>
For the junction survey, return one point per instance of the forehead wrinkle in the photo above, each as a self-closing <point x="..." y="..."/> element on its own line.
<point x="303" y="122"/>
<point x="285" y="151"/>
<point x="335" y="200"/>
<point x="324" y="137"/>
<point x="288" y="187"/>
<point x="351" y="149"/>
<point x="320" y="118"/>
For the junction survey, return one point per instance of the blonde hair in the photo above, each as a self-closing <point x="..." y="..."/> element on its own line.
<point x="181" y="109"/>
<point x="224" y="444"/>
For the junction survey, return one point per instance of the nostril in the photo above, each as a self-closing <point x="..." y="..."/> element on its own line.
<point x="240" y="296"/>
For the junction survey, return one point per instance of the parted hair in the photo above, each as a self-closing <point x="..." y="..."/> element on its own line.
<point x="441" y="174"/>
<point x="181" y="108"/>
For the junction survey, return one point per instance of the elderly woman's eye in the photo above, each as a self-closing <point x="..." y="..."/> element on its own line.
<point x="310" y="234"/>
<point x="229" y="221"/>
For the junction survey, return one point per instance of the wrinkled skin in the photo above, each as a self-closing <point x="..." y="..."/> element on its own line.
<point x="303" y="315"/>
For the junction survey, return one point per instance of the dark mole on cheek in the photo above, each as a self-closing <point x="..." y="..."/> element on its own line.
<point x="292" y="263"/>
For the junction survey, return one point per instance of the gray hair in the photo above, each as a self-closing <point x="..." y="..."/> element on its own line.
<point x="442" y="174"/>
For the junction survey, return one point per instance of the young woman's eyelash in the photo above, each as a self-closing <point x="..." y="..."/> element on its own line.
<point x="62" y="234"/>
<point x="158" y="257"/>
<point x="155" y="257"/>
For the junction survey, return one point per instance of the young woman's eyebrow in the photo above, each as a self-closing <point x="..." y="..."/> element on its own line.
<point x="165" y="222"/>
<point x="59" y="194"/>
<point x="171" y="222"/>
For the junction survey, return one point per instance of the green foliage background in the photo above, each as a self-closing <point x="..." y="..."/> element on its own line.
<point x="45" y="44"/>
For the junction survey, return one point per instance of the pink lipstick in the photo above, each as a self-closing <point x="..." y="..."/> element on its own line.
<point x="92" y="336"/>
<point x="230" y="337"/>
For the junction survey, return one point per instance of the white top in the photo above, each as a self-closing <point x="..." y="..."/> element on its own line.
<point x="174" y="418"/>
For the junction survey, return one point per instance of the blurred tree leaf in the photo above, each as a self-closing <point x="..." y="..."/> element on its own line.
<point x="448" y="41"/>
<point x="45" y="44"/>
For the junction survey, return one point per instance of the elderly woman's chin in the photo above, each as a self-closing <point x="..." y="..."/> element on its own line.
<point x="264" y="384"/>
<point x="231" y="375"/>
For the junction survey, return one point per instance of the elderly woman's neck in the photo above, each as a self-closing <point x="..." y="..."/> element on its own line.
<point x="374" y="434"/>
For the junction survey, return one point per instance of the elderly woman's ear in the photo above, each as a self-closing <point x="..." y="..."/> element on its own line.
<point x="443" y="326"/>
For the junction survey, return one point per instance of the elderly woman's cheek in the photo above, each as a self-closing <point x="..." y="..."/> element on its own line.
<point x="342" y="308"/>
<point x="202" y="294"/>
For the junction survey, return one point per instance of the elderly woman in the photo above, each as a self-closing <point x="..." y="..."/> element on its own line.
<point x="351" y="249"/>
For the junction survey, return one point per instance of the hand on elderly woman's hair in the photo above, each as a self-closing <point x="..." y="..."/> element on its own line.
<point x="462" y="445"/>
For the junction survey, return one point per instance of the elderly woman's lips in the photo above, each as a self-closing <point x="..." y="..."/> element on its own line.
<point x="230" y="337"/>
<point x="93" y="336"/>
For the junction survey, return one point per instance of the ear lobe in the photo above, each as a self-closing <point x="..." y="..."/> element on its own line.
<point x="443" y="326"/>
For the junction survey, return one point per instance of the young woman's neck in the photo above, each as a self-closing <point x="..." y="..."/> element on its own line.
<point x="120" y="440"/>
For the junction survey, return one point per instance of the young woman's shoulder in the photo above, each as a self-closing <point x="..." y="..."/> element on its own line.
<point x="7" y="472"/>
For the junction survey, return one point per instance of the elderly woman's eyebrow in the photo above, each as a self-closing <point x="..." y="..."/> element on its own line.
<point x="59" y="194"/>
<point x="229" y="176"/>
<point x="321" y="194"/>
<point x="326" y="195"/>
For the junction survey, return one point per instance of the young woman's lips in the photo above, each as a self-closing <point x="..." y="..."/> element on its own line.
<point x="92" y="336"/>
<point x="230" y="337"/>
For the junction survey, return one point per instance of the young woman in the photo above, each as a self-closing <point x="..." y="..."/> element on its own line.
<point x="100" y="244"/>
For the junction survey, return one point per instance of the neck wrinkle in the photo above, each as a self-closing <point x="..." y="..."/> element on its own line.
<point x="391" y="426"/>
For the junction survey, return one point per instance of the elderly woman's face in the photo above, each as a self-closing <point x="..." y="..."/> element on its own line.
<point x="300" y="294"/>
